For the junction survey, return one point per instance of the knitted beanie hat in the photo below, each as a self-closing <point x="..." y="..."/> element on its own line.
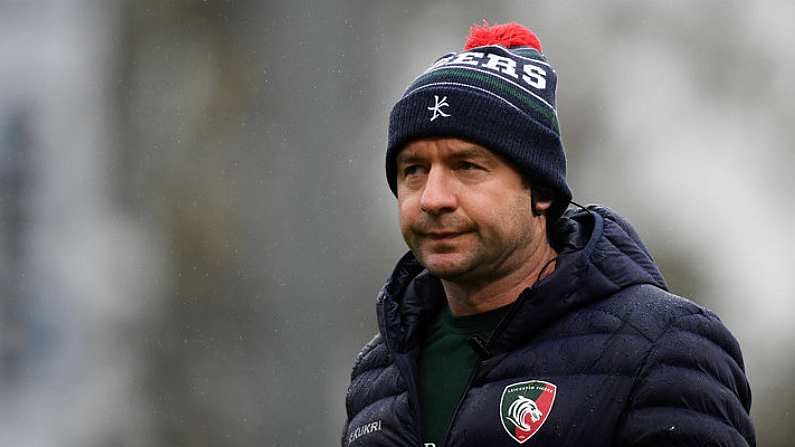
<point x="498" y="93"/>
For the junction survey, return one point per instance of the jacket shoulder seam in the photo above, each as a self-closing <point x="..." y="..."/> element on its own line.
<point x="671" y="325"/>
<point x="641" y="372"/>
<point x="626" y="320"/>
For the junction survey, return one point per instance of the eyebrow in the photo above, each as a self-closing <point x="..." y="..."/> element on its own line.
<point x="470" y="152"/>
<point x="408" y="158"/>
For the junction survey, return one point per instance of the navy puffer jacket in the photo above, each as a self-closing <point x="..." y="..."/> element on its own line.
<point x="596" y="354"/>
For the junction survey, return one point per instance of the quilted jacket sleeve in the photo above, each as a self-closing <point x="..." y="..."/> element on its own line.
<point x="692" y="389"/>
<point x="358" y="366"/>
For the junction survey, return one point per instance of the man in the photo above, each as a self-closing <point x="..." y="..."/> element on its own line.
<point x="508" y="323"/>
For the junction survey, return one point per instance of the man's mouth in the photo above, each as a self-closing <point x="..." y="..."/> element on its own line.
<point x="442" y="236"/>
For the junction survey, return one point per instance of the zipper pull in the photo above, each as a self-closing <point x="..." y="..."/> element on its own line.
<point x="479" y="346"/>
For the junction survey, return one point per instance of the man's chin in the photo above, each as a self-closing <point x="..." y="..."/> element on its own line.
<point x="446" y="266"/>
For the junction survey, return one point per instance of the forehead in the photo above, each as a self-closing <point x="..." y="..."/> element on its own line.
<point x="443" y="148"/>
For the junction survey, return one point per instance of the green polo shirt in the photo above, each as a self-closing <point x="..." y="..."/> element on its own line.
<point x="446" y="361"/>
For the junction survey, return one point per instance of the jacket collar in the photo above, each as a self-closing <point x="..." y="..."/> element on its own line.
<point x="599" y="254"/>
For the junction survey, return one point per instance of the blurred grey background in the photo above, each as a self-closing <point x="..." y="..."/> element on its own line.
<point x="194" y="220"/>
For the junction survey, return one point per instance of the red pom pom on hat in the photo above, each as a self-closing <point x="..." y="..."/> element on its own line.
<point x="509" y="35"/>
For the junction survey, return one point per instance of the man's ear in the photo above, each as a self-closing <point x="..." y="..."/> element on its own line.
<point x="538" y="206"/>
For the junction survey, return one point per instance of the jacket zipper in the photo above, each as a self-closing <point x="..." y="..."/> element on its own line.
<point x="481" y="347"/>
<point x="460" y="402"/>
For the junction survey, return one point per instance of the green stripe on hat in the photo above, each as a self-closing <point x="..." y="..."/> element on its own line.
<point x="495" y="84"/>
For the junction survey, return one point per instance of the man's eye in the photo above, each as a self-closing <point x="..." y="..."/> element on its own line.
<point x="467" y="166"/>
<point x="409" y="170"/>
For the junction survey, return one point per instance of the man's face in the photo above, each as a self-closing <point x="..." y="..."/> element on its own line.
<point x="464" y="212"/>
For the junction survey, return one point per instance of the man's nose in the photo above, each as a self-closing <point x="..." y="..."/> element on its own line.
<point x="438" y="195"/>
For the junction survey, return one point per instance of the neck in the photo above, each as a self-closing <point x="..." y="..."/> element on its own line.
<point x="470" y="298"/>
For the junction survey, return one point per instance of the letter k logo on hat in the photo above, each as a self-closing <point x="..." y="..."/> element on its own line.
<point x="437" y="108"/>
